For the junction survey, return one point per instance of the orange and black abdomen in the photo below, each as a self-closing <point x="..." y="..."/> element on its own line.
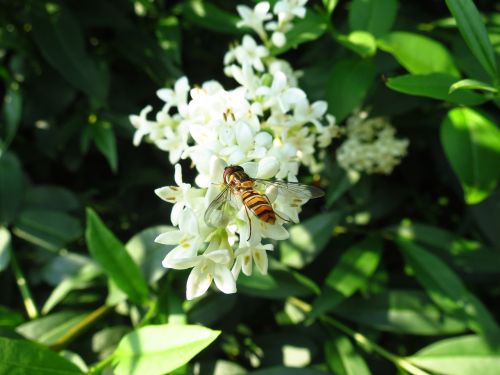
<point x="259" y="205"/>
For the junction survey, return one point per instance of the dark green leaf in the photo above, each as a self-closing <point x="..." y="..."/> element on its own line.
<point x="12" y="110"/>
<point x="61" y="41"/>
<point x="168" y="32"/>
<point x="211" y="17"/>
<point x="160" y="349"/>
<point x="472" y="28"/>
<point x="348" y="85"/>
<point x="471" y="142"/>
<point x="111" y="255"/>
<point x="447" y="290"/>
<point x="277" y="284"/>
<point x="22" y="357"/>
<point x="307" y="29"/>
<point x="463" y="355"/>
<point x="51" y="198"/>
<point x="47" y="228"/>
<point x="401" y="311"/>
<point x="436" y="86"/>
<point x="10" y="318"/>
<point x="308" y="239"/>
<point x="352" y="272"/>
<point x="374" y="16"/>
<point x="11" y="187"/>
<point x="49" y="329"/>
<point x="418" y="54"/>
<point x="104" y="138"/>
<point x="342" y="357"/>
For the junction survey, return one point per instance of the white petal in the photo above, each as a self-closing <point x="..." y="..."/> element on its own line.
<point x="260" y="258"/>
<point x="275" y="231"/>
<point x="244" y="135"/>
<point x="198" y="283"/>
<point x="246" y="263"/>
<point x="165" y="94"/>
<point x="178" y="175"/>
<point x="218" y="256"/>
<point x="224" y="279"/>
<point x="268" y="167"/>
<point x="181" y="258"/>
<point x="250" y="168"/>
<point x="170" y="238"/>
<point x="167" y="193"/>
<point x="236" y="268"/>
<point x="278" y="39"/>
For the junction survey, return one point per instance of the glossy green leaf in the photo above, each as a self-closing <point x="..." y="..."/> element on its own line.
<point x="342" y="357"/>
<point x="104" y="138"/>
<point x="10" y="318"/>
<point x="308" y="239"/>
<point x="160" y="349"/>
<point x="435" y="86"/>
<point x="330" y="5"/>
<point x="471" y="142"/>
<point x="471" y="26"/>
<point x="12" y="110"/>
<point x="374" y="16"/>
<point x="210" y="16"/>
<point x="361" y="42"/>
<point x="111" y="255"/>
<point x="458" y="356"/>
<point x="47" y="228"/>
<point x="50" y="197"/>
<point x="49" y="329"/>
<point x="61" y="42"/>
<point x="5" y="248"/>
<point x="352" y="272"/>
<point x="22" y="357"/>
<point x="348" y="85"/>
<point x="472" y="84"/>
<point x="307" y="29"/>
<point x="401" y="311"/>
<point x="277" y="284"/>
<point x="11" y="187"/>
<point x="448" y="291"/>
<point x="418" y="54"/>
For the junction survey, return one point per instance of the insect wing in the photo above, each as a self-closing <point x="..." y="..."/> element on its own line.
<point x="217" y="213"/>
<point x="293" y="189"/>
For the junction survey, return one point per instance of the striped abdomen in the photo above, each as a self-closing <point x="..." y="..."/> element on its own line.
<point x="258" y="204"/>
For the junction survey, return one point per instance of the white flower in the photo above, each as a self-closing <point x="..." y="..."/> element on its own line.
<point x="288" y="9"/>
<point x="280" y="93"/>
<point x="245" y="256"/>
<point x="255" y="18"/>
<point x="142" y="125"/>
<point x="176" y="97"/>
<point x="249" y="53"/>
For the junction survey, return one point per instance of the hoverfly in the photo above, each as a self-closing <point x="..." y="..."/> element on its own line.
<point x="239" y="184"/>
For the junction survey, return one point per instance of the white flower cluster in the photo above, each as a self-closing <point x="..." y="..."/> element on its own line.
<point x="266" y="125"/>
<point x="371" y="145"/>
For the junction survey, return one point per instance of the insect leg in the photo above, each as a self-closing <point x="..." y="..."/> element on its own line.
<point x="249" y="223"/>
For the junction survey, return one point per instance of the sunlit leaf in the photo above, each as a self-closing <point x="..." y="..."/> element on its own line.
<point x="4" y="248"/>
<point x="342" y="357"/>
<point x="472" y="84"/>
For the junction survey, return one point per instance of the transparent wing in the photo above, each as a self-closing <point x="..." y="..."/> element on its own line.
<point x="294" y="189"/>
<point x="218" y="212"/>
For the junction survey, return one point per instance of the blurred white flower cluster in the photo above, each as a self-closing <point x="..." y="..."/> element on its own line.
<point x="266" y="125"/>
<point x="371" y="145"/>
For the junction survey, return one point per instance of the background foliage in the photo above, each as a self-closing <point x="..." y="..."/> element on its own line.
<point x="395" y="274"/>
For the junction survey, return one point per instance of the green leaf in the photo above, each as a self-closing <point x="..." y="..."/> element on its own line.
<point x="149" y="254"/>
<point x="374" y="16"/>
<point x="463" y="355"/>
<point x="61" y="42"/>
<point x="49" y="329"/>
<point x="471" y="142"/>
<point x="211" y="17"/>
<point x="10" y="318"/>
<point x="348" y="84"/>
<point x="307" y="29"/>
<point x="352" y="272"/>
<point x="160" y="349"/>
<point x="282" y="370"/>
<point x="418" y="54"/>
<point x="5" y="248"/>
<point x="47" y="228"/>
<point x="342" y="357"/>
<point x="22" y="357"/>
<point x="436" y="86"/>
<point x="330" y="5"/>
<point x="11" y="188"/>
<point x="49" y="197"/>
<point x="277" y="284"/>
<point x="472" y="84"/>
<point x="361" y="42"/>
<point x="111" y="255"/>
<point x="401" y="311"/>
<point x="308" y="239"/>
<point x="468" y="256"/>
<point x="104" y="138"/>
<point x="168" y="32"/>
<point x="12" y="111"/>
<point x="448" y="291"/>
<point x="473" y="30"/>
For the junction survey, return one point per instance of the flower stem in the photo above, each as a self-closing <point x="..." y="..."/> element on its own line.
<point x="153" y="309"/>
<point x="363" y="341"/>
<point x="29" y="302"/>
<point x="99" y="366"/>
<point x="78" y="329"/>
